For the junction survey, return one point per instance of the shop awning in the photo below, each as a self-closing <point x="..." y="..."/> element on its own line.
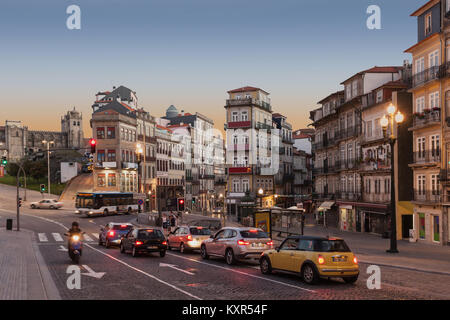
<point x="345" y="206"/>
<point x="326" y="206"/>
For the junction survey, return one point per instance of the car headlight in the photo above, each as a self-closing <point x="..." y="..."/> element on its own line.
<point x="78" y="211"/>
<point x="75" y="238"/>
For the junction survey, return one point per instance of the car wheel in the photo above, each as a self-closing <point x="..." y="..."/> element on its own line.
<point x="107" y="244"/>
<point x="229" y="257"/>
<point x="105" y="212"/>
<point x="265" y="266"/>
<point x="309" y="274"/>
<point x="350" y="279"/>
<point x="203" y="252"/>
<point x="122" y="248"/>
<point x="168" y="246"/>
<point x="134" y="252"/>
<point x="162" y="253"/>
<point x="182" y="248"/>
<point x="33" y="206"/>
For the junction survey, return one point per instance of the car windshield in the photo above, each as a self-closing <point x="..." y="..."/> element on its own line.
<point x="121" y="227"/>
<point x="254" y="234"/>
<point x="150" y="234"/>
<point x="200" y="231"/>
<point x="332" y="246"/>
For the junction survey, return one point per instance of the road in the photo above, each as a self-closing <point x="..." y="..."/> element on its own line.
<point x="189" y="277"/>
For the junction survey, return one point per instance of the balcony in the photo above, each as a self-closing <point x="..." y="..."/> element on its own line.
<point x="206" y="177"/>
<point x="326" y="169"/>
<point x="427" y="157"/>
<point x="263" y="126"/>
<point x="377" y="197"/>
<point x="240" y="147"/>
<point x="248" y="102"/>
<point x="220" y="182"/>
<point x="350" y="196"/>
<point x="375" y="164"/>
<point x="349" y="132"/>
<point x="129" y="165"/>
<point x="240" y="170"/>
<point x="427" y="196"/>
<point x="428" y="117"/>
<point x="330" y="142"/>
<point x="348" y="164"/>
<point x="148" y="139"/>
<point x="428" y="75"/>
<point x="238" y="124"/>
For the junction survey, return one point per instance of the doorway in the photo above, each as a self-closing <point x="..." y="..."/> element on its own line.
<point x="407" y="224"/>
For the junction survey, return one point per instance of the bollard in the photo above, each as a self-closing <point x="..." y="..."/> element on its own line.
<point x="9" y="224"/>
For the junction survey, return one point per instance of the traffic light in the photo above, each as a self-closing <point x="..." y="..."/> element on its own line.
<point x="42" y="188"/>
<point x="180" y="204"/>
<point x="93" y="144"/>
<point x="19" y="203"/>
<point x="4" y="161"/>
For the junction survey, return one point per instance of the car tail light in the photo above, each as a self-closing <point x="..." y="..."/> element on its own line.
<point x="138" y="243"/>
<point x="321" y="259"/>
<point x="355" y="261"/>
<point x="253" y="231"/>
<point x="111" y="233"/>
<point x="164" y="242"/>
<point x="270" y="243"/>
<point x="243" y="243"/>
<point x="189" y="237"/>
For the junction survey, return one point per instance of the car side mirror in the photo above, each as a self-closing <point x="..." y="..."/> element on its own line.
<point x="278" y="249"/>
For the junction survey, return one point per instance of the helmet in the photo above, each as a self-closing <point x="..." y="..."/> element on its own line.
<point x="75" y="224"/>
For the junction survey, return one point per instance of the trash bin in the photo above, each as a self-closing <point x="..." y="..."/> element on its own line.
<point x="9" y="224"/>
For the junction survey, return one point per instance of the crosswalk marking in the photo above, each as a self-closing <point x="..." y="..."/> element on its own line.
<point x="42" y="237"/>
<point x="87" y="238"/>
<point x="95" y="235"/>
<point x="57" y="236"/>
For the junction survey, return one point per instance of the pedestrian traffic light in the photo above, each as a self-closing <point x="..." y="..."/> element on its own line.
<point x="4" y="161"/>
<point x="93" y="144"/>
<point x="180" y="204"/>
<point x="42" y="188"/>
<point x="19" y="202"/>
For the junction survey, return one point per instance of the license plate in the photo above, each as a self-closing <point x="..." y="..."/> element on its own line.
<point x="340" y="259"/>
<point x="152" y="247"/>
<point x="257" y="245"/>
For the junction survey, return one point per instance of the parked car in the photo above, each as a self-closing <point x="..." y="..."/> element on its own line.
<point x="46" y="204"/>
<point x="112" y="233"/>
<point x="138" y="241"/>
<point x="236" y="244"/>
<point x="187" y="238"/>
<point x="312" y="258"/>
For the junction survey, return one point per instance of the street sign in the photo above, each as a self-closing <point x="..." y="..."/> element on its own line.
<point x="140" y="202"/>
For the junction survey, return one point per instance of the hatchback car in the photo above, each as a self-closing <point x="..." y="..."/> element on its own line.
<point x="112" y="233"/>
<point x="187" y="238"/>
<point x="138" y="241"/>
<point x="46" y="204"/>
<point x="313" y="258"/>
<point x="236" y="244"/>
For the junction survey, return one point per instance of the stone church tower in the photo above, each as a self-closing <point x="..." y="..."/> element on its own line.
<point x="72" y="126"/>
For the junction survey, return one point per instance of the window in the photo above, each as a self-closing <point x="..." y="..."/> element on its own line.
<point x="369" y="129"/>
<point x="348" y="92"/>
<point x="236" y="185"/>
<point x="290" y="244"/>
<point x="379" y="96"/>
<point x="234" y="116"/>
<point x="100" y="133"/>
<point x="420" y="65"/>
<point x="434" y="144"/>
<point x="421" y="184"/>
<point x="433" y="59"/>
<point x="101" y="180"/>
<point x="354" y="88"/>
<point x="100" y="155"/>
<point x="434" y="100"/>
<point x="434" y="184"/>
<point x="111" y="155"/>
<point x="111" y="179"/>
<point x="245" y="185"/>
<point x="428" y="24"/>
<point x="111" y="133"/>
<point x="420" y="148"/>
<point x="420" y="104"/>
<point x="244" y="116"/>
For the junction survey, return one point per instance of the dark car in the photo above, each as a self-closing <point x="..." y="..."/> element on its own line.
<point x="148" y="240"/>
<point x="112" y="233"/>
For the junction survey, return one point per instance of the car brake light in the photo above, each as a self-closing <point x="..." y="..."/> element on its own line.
<point x="111" y="233"/>
<point x="243" y="243"/>
<point x="270" y="243"/>
<point x="199" y="228"/>
<point x="253" y="231"/>
<point x="189" y="237"/>
<point x="123" y="226"/>
<point x="138" y="243"/>
<point x="355" y="261"/>
<point x="164" y="242"/>
<point x="321" y="260"/>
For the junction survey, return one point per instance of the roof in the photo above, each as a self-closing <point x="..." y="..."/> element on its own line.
<point x="123" y="92"/>
<point x="393" y="84"/>
<point x="118" y="107"/>
<point x="435" y="35"/>
<point x="246" y="89"/>
<point x="376" y="69"/>
<point x="331" y="95"/>
<point x="277" y="115"/>
<point x="163" y="128"/>
<point x="424" y="8"/>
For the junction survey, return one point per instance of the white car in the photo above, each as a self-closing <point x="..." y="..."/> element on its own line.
<point x="46" y="204"/>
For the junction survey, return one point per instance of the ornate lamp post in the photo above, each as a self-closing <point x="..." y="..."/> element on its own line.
<point x="139" y="152"/>
<point x="393" y="119"/>
<point x="261" y="194"/>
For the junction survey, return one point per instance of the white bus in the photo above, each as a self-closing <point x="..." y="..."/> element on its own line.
<point x="106" y="203"/>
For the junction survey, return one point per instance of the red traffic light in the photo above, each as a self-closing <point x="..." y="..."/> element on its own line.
<point x="181" y="201"/>
<point x="93" y="142"/>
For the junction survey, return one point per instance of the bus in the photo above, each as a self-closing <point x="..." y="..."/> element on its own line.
<point x="106" y="203"/>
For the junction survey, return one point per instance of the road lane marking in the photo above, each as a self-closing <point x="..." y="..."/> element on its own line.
<point x="57" y="236"/>
<point x="95" y="235"/>
<point x="145" y="273"/>
<point x="172" y="266"/>
<point x="87" y="238"/>
<point x="92" y="273"/>
<point x="243" y="273"/>
<point x="42" y="237"/>
<point x="62" y="248"/>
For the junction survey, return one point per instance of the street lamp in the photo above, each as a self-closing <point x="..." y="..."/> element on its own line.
<point x="48" y="161"/>
<point x="393" y="118"/>
<point x="139" y="152"/>
<point x="261" y="193"/>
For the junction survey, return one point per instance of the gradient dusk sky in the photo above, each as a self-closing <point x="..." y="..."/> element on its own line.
<point x="190" y="52"/>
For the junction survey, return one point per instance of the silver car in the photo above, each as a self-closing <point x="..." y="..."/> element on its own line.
<point x="236" y="244"/>
<point x="46" y="204"/>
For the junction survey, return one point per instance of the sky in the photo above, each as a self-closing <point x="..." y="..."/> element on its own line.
<point x="190" y="53"/>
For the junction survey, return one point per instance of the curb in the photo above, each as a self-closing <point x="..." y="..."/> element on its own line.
<point x="406" y="268"/>
<point x="49" y="286"/>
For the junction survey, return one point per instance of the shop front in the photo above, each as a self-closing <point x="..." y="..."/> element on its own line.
<point x="428" y="223"/>
<point x="346" y="218"/>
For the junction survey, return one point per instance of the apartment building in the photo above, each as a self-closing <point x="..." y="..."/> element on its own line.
<point x="338" y="154"/>
<point x="250" y="159"/>
<point x="302" y="185"/>
<point x="430" y="128"/>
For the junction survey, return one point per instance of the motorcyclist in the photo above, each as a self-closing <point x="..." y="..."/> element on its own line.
<point x="74" y="229"/>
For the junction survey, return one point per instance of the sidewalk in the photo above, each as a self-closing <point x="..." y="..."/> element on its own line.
<point x="371" y="249"/>
<point x="23" y="272"/>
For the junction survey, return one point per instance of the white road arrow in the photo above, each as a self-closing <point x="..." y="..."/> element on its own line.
<point x="175" y="268"/>
<point x="62" y="248"/>
<point x="92" y="273"/>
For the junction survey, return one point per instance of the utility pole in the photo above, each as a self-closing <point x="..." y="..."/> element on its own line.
<point x="48" y="163"/>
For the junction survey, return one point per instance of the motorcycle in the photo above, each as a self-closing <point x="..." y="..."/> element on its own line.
<point x="75" y="247"/>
